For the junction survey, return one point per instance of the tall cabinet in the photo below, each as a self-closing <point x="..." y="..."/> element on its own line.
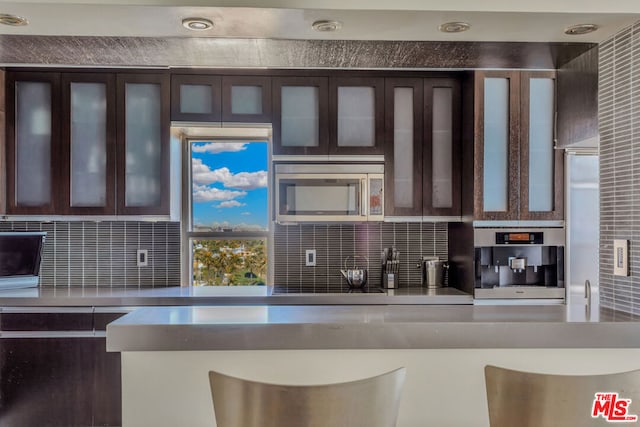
<point x="423" y="147"/>
<point x="518" y="171"/>
<point x="87" y="166"/>
<point x="33" y="142"/>
<point x="142" y="144"/>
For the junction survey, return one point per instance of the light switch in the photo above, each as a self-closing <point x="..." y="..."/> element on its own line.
<point x="620" y="257"/>
<point x="310" y="257"/>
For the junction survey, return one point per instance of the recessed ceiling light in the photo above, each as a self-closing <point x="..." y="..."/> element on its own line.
<point x="326" y="25"/>
<point x="197" y="24"/>
<point x="13" y="20"/>
<point x="454" y="27"/>
<point x="576" y="30"/>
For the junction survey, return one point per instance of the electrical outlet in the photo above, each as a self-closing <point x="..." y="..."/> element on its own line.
<point x="620" y="257"/>
<point x="142" y="258"/>
<point x="310" y="257"/>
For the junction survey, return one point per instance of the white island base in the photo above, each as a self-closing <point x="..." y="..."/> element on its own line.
<point x="444" y="387"/>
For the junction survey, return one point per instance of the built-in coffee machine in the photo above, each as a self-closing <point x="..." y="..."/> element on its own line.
<point x="519" y="263"/>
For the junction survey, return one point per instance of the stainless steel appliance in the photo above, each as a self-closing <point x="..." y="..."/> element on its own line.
<point x="329" y="192"/>
<point x="433" y="272"/>
<point x="583" y="225"/>
<point x="20" y="256"/>
<point x="519" y="263"/>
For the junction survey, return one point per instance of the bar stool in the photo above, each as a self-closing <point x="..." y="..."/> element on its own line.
<point x="517" y="398"/>
<point x="370" y="402"/>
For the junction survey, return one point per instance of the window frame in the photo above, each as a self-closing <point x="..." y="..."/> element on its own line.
<point x="188" y="236"/>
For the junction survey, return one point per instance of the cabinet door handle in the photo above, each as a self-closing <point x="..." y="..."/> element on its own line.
<point x="363" y="189"/>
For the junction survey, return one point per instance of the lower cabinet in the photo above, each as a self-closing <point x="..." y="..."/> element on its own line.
<point x="54" y="378"/>
<point x="59" y="382"/>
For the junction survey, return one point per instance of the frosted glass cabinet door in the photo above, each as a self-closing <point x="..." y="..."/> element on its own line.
<point x="196" y="98"/>
<point x="403" y="156"/>
<point x="300" y="118"/>
<point x="88" y="144"/>
<point x="541" y="166"/>
<point x="32" y="143"/>
<point x="88" y="141"/>
<point x="496" y="145"/>
<point x="143" y="165"/>
<point x="496" y="151"/>
<point x="403" y="141"/>
<point x="442" y="159"/>
<point x="357" y="106"/>
<point x="300" y="112"/>
<point x="246" y="99"/>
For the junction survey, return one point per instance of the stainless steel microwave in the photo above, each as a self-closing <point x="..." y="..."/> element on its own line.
<point x="329" y="192"/>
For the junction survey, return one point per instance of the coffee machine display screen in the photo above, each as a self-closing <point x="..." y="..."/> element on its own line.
<point x="534" y="238"/>
<point x="518" y="236"/>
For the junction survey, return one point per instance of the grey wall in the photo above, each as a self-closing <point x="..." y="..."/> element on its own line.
<point x="619" y="124"/>
<point x="334" y="243"/>
<point x="87" y="253"/>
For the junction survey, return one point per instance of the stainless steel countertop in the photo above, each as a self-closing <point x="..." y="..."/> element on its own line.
<point x="265" y="327"/>
<point x="217" y="295"/>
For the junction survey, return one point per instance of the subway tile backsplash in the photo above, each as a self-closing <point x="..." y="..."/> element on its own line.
<point x="619" y="126"/>
<point x="89" y="253"/>
<point x="334" y="243"/>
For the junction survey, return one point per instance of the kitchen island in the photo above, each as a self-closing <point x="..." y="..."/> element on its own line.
<point x="166" y="352"/>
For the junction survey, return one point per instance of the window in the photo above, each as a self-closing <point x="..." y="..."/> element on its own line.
<point x="227" y="223"/>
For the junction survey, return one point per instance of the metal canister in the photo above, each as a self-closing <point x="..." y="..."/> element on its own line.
<point x="433" y="272"/>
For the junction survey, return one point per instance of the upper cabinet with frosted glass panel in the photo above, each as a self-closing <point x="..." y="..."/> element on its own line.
<point x="142" y="162"/>
<point x="33" y="142"/>
<point x="88" y="144"/>
<point x="423" y="155"/>
<point x="518" y="172"/>
<point x="356" y="115"/>
<point x="64" y="132"/>
<point x="215" y="98"/>
<point x="328" y="115"/>
<point x="300" y="115"/>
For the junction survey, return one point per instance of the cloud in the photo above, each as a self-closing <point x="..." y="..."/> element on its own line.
<point x="246" y="213"/>
<point x="203" y="175"/>
<point x="202" y="193"/>
<point x="230" y="204"/>
<point x="219" y="147"/>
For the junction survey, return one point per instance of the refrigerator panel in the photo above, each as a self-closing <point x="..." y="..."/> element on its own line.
<point x="583" y="219"/>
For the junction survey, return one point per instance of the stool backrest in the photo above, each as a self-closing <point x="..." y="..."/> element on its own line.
<point x="518" y="398"/>
<point x="370" y="402"/>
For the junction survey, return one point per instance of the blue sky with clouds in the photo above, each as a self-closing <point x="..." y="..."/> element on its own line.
<point x="230" y="183"/>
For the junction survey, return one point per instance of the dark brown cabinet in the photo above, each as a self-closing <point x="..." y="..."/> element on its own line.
<point x="332" y="115"/>
<point x="246" y="99"/>
<point x="518" y="171"/>
<point x="300" y="115"/>
<point x="216" y="98"/>
<point x="33" y="142"/>
<point x="196" y="98"/>
<point x="423" y="151"/>
<point x="87" y="143"/>
<point x="356" y="115"/>
<point x="142" y="162"/>
<point x="56" y="371"/>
